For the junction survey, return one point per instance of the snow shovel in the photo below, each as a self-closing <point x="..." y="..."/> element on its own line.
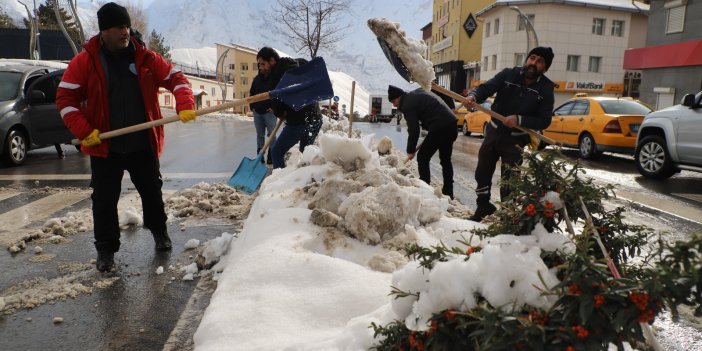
<point x="298" y="88"/>
<point x="250" y="173"/>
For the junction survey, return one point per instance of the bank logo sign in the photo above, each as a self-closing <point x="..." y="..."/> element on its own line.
<point x="584" y="85"/>
<point x="470" y="25"/>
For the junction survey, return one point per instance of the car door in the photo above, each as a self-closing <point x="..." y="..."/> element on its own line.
<point x="555" y="129"/>
<point x="574" y="122"/>
<point x="689" y="131"/>
<point x="41" y="116"/>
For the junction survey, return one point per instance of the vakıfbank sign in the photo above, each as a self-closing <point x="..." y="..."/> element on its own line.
<point x="589" y="86"/>
<point x="584" y="85"/>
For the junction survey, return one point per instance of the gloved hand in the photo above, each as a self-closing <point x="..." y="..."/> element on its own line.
<point x="187" y="115"/>
<point x="92" y="139"/>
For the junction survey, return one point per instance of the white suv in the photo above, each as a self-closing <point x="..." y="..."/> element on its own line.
<point x="670" y="140"/>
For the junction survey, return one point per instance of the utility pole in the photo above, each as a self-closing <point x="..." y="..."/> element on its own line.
<point x="223" y="82"/>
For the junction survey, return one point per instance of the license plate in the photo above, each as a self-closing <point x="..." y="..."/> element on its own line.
<point x="634" y="127"/>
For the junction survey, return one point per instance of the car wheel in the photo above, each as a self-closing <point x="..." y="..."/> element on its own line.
<point x="587" y="146"/>
<point x="652" y="158"/>
<point x="77" y="147"/>
<point x="485" y="126"/>
<point x="465" y="130"/>
<point x="15" y="148"/>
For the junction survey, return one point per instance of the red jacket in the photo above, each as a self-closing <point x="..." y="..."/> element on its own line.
<point x="82" y="94"/>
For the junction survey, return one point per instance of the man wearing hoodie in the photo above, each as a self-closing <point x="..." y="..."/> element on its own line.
<point x="113" y="84"/>
<point x="525" y="98"/>
<point x="428" y="111"/>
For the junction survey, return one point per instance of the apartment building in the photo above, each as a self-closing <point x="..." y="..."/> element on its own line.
<point x="671" y="59"/>
<point x="455" y="42"/>
<point x="588" y="37"/>
<point x="237" y="63"/>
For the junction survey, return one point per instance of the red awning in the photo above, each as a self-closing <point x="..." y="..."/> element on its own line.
<point x="688" y="53"/>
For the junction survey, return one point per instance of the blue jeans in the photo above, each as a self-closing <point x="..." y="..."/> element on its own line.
<point x="290" y="135"/>
<point x="263" y="121"/>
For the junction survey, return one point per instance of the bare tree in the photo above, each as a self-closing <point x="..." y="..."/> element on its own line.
<point x="137" y="17"/>
<point x="310" y="24"/>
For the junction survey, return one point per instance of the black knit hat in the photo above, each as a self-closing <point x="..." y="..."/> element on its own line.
<point x="394" y="92"/>
<point x="112" y="15"/>
<point x="544" y="52"/>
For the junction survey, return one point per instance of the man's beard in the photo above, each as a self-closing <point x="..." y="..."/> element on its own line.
<point x="531" y="72"/>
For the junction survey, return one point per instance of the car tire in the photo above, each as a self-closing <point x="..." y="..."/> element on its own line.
<point x="465" y="130"/>
<point x="16" y="147"/>
<point x="485" y="127"/>
<point x="77" y="147"/>
<point x="652" y="158"/>
<point x="587" y="146"/>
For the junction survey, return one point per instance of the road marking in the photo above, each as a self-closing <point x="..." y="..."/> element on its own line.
<point x="34" y="211"/>
<point x="87" y="176"/>
<point x="6" y="194"/>
<point x="674" y="208"/>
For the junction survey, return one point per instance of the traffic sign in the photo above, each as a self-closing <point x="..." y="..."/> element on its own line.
<point x="336" y="98"/>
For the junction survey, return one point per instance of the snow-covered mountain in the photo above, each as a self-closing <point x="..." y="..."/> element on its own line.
<point x="198" y="24"/>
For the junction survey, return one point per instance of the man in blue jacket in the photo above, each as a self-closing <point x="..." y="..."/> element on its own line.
<point x="426" y="110"/>
<point x="525" y="98"/>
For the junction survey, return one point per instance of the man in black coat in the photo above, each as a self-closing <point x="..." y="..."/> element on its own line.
<point x="525" y="97"/>
<point x="423" y="109"/>
<point x="264" y="120"/>
<point x="300" y="126"/>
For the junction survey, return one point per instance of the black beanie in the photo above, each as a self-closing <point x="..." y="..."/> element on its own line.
<point x="394" y="92"/>
<point x="112" y="15"/>
<point x="544" y="52"/>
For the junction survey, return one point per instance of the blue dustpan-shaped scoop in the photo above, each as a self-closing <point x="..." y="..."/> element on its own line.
<point x="249" y="175"/>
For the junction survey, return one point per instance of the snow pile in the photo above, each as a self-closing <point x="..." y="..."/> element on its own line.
<point x="314" y="262"/>
<point x="209" y="200"/>
<point x="409" y="50"/>
<point x="70" y="224"/>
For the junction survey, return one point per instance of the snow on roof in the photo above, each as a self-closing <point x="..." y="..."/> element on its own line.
<point x="616" y="5"/>
<point x="44" y="63"/>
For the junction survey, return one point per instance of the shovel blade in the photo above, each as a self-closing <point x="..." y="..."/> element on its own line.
<point x="249" y="175"/>
<point x="395" y="60"/>
<point x="304" y="85"/>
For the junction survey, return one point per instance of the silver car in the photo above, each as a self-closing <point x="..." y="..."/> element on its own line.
<point x="670" y="139"/>
<point x="29" y="118"/>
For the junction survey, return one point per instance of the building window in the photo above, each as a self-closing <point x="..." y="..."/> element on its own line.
<point x="573" y="63"/>
<point x="520" y="22"/>
<point x="202" y="87"/>
<point x="244" y="66"/>
<point x="167" y="100"/>
<point x="487" y="29"/>
<point x="485" y="63"/>
<point x="598" y="26"/>
<point x="213" y="91"/>
<point x="244" y="81"/>
<point x="617" y="28"/>
<point x="494" y="62"/>
<point x="519" y="60"/>
<point x="231" y="66"/>
<point x="676" y="20"/>
<point x="594" y="65"/>
<point x="497" y="26"/>
<point x="255" y="66"/>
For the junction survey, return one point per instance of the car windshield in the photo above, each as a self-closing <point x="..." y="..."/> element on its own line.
<point x="624" y="107"/>
<point x="8" y="85"/>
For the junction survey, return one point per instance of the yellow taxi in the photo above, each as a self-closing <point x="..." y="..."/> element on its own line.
<point x="473" y="121"/>
<point x="597" y="124"/>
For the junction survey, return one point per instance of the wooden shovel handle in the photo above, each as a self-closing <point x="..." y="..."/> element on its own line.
<point x="492" y="113"/>
<point x="162" y="121"/>
<point x="270" y="138"/>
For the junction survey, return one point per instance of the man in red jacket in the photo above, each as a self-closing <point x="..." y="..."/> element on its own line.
<point x="113" y="84"/>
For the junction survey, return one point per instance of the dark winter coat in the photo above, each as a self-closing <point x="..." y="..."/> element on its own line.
<point x="258" y="86"/>
<point x="533" y="103"/>
<point x="282" y="110"/>
<point x="424" y="110"/>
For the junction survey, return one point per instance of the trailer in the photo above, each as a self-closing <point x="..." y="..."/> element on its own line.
<point x="381" y="109"/>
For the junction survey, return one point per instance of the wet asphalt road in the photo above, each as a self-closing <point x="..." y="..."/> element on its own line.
<point x="145" y="311"/>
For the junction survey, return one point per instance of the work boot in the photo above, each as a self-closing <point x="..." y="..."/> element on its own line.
<point x="163" y="242"/>
<point x="483" y="211"/>
<point x="105" y="261"/>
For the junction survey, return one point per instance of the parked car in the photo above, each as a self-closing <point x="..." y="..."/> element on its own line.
<point x="670" y="140"/>
<point x="29" y="118"/>
<point x="473" y="121"/>
<point x="597" y="124"/>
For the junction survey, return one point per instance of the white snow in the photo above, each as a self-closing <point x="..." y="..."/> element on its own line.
<point x="191" y="244"/>
<point x="288" y="283"/>
<point x="159" y="270"/>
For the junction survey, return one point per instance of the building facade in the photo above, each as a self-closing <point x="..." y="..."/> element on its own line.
<point x="456" y="39"/>
<point x="207" y="93"/>
<point x="588" y="38"/>
<point x="671" y="60"/>
<point x="237" y="64"/>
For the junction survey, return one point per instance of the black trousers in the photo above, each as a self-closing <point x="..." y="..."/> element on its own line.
<point x="106" y="181"/>
<point x="441" y="140"/>
<point x="499" y="143"/>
